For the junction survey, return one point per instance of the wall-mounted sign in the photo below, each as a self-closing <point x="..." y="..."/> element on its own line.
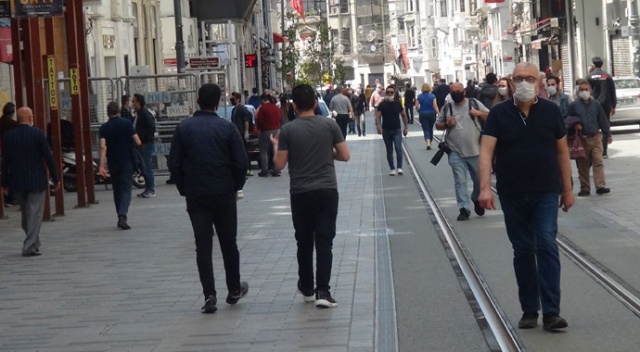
<point x="53" y="82"/>
<point x="74" y="75"/>
<point x="250" y="60"/>
<point x="204" y="62"/>
<point x="38" y="8"/>
<point x="5" y="8"/>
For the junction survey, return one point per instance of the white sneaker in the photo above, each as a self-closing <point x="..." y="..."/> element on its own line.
<point x="399" y="171"/>
<point x="240" y="194"/>
<point x="392" y="173"/>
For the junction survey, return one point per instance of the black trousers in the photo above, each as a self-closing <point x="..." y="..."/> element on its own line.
<point x="408" y="108"/>
<point x="314" y="216"/>
<point x="207" y="212"/>
<point x="343" y="122"/>
<point x="605" y="142"/>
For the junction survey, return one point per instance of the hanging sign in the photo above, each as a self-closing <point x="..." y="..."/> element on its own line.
<point x="74" y="76"/>
<point x="38" y="8"/>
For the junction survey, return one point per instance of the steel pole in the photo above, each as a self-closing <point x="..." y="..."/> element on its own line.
<point x="634" y="22"/>
<point x="282" y="14"/>
<point x="180" y="56"/>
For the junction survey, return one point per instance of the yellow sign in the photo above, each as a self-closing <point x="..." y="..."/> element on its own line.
<point x="53" y="83"/>
<point x="75" y="81"/>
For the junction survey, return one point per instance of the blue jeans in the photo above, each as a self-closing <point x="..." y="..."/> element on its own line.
<point x="460" y="166"/>
<point x="427" y="120"/>
<point x="393" y="138"/>
<point x="532" y="226"/>
<point x="121" y="178"/>
<point x="147" y="155"/>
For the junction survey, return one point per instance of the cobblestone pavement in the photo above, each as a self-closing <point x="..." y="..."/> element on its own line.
<point x="96" y="288"/>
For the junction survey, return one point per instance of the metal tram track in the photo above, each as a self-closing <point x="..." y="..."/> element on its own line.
<point x="494" y="325"/>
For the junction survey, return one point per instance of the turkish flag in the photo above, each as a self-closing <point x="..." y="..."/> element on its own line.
<point x="298" y="6"/>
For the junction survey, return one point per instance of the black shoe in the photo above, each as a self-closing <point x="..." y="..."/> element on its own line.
<point x="307" y="294"/>
<point x="464" y="214"/>
<point x="603" y="190"/>
<point x="274" y="173"/>
<point x="234" y="297"/>
<point x="528" y="321"/>
<point x="171" y="182"/>
<point x="477" y="208"/>
<point x="551" y="322"/>
<point x="122" y="223"/>
<point x="583" y="194"/>
<point x="31" y="254"/>
<point x="263" y="174"/>
<point x="209" y="305"/>
<point x="324" y="300"/>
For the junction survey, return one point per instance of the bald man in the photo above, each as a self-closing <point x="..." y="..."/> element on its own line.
<point x="25" y="153"/>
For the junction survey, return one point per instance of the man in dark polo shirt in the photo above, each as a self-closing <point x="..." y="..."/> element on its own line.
<point x="116" y="140"/>
<point x="390" y="111"/>
<point x="532" y="168"/>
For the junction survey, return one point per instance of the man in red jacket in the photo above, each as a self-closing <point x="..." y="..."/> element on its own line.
<point x="268" y="123"/>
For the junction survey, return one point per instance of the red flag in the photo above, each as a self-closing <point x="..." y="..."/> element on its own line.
<point x="298" y="6"/>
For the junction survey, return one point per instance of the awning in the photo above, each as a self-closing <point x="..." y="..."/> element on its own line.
<point x="278" y="38"/>
<point x="538" y="43"/>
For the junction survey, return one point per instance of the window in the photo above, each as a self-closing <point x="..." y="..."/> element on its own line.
<point x="411" y="6"/>
<point x="344" y="6"/>
<point x="434" y="48"/>
<point x="411" y="34"/>
<point x="443" y="8"/>
<point x="462" y="5"/>
<point x="345" y="41"/>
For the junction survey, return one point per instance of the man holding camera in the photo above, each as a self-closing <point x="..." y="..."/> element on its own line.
<point x="462" y="120"/>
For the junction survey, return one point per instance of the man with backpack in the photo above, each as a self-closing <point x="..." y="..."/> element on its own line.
<point x="488" y="93"/>
<point x="462" y="119"/>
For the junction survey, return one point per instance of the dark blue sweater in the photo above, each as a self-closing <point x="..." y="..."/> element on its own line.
<point x="24" y="154"/>
<point x="207" y="156"/>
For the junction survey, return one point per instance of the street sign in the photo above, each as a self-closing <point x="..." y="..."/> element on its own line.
<point x="75" y="81"/>
<point x="204" y="62"/>
<point x="53" y="82"/>
<point x="250" y="60"/>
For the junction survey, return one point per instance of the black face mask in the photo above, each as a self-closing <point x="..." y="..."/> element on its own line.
<point x="233" y="101"/>
<point x="457" y="96"/>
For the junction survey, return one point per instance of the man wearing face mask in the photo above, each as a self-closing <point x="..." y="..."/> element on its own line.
<point x="558" y="97"/>
<point x="527" y="136"/>
<point x="462" y="120"/>
<point x="390" y="111"/>
<point x="594" y="120"/>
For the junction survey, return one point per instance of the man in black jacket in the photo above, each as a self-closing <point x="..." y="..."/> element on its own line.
<point x="488" y="90"/>
<point x="145" y="125"/>
<point x="209" y="176"/>
<point x="441" y="91"/>
<point x="409" y="102"/>
<point x="26" y="153"/>
<point x="6" y="123"/>
<point x="604" y="91"/>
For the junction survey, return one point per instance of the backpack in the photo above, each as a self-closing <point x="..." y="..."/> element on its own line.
<point x="473" y="104"/>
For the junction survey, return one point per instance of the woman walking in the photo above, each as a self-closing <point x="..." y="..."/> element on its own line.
<point x="427" y="109"/>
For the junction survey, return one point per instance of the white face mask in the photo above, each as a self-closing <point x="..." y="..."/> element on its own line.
<point x="552" y="90"/>
<point x="503" y="91"/>
<point x="388" y="98"/>
<point x="584" y="95"/>
<point x="525" y="91"/>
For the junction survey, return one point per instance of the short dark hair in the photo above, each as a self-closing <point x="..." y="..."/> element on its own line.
<point x="209" y="96"/>
<point x="9" y="109"/>
<point x="266" y="97"/>
<point x="597" y="61"/>
<point x="140" y="99"/>
<point x="554" y="77"/>
<point x="390" y="86"/>
<point x="125" y="98"/>
<point x="113" y="109"/>
<point x="304" y="97"/>
<point x="582" y="81"/>
<point x="236" y="95"/>
<point x="254" y="90"/>
<point x="491" y="78"/>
